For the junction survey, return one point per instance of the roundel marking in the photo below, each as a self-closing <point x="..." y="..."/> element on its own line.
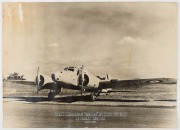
<point x="154" y="81"/>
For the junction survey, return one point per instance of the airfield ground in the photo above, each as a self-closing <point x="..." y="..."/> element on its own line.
<point x="152" y="106"/>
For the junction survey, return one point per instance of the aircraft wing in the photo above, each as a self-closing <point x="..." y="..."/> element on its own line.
<point x="134" y="83"/>
<point x="24" y="82"/>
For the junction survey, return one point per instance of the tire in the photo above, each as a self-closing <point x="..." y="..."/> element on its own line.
<point x="92" y="97"/>
<point x="51" y="96"/>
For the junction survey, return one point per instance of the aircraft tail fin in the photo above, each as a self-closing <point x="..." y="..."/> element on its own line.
<point x="108" y="77"/>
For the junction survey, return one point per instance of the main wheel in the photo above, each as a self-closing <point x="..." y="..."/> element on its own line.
<point x="51" y="96"/>
<point x="92" y="97"/>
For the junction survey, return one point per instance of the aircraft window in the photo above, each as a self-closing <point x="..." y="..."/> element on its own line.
<point x="71" y="69"/>
<point x="66" y="68"/>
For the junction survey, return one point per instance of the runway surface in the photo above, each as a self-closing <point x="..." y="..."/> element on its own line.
<point x="22" y="108"/>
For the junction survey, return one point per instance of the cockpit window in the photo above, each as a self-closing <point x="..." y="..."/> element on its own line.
<point x="66" y="68"/>
<point x="69" y="68"/>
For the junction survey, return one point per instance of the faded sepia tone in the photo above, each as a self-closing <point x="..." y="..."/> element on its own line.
<point x="125" y="40"/>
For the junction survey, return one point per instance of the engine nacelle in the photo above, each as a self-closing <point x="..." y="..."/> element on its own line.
<point x="42" y="79"/>
<point x="90" y="81"/>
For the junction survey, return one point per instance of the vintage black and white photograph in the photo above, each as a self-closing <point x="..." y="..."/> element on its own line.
<point x="89" y="64"/>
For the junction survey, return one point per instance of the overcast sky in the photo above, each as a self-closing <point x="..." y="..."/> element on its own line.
<point x="125" y="40"/>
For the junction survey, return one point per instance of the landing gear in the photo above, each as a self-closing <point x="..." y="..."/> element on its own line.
<point x="95" y="94"/>
<point x="92" y="97"/>
<point x="52" y="94"/>
<point x="98" y="92"/>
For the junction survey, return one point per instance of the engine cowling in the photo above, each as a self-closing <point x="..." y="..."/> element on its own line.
<point x="42" y="79"/>
<point x="39" y="81"/>
<point x="90" y="81"/>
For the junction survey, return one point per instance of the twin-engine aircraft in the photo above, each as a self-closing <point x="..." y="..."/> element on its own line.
<point x="78" y="78"/>
<point x="71" y="78"/>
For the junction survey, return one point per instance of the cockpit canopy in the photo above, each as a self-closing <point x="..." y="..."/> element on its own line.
<point x="70" y="68"/>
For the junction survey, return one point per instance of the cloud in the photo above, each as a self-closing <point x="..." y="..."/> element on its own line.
<point x="53" y="45"/>
<point x="128" y="37"/>
<point x="130" y="40"/>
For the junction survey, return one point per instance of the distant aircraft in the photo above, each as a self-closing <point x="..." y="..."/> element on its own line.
<point x="78" y="78"/>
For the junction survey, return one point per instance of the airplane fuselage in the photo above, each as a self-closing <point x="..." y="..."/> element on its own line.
<point x="70" y="76"/>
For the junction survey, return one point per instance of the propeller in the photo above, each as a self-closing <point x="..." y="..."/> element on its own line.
<point x="39" y="80"/>
<point x="82" y="79"/>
